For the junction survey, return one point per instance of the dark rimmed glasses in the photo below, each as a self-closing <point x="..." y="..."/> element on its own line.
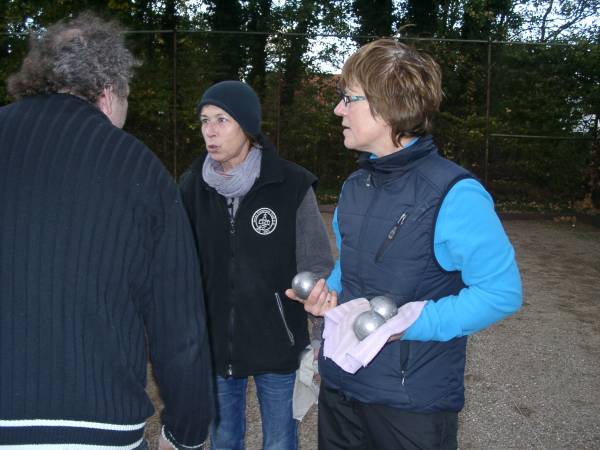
<point x="347" y="99"/>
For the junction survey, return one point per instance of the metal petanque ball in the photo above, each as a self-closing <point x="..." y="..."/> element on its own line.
<point x="384" y="305"/>
<point x="366" y="323"/>
<point x="303" y="283"/>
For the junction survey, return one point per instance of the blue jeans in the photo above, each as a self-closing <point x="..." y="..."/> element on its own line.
<point x="274" y="392"/>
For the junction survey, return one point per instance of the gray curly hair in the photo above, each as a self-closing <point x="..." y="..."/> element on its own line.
<point x="81" y="56"/>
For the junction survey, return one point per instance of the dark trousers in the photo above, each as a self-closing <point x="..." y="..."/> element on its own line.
<point x="346" y="424"/>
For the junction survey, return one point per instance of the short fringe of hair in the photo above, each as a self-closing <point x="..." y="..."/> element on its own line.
<point x="403" y="86"/>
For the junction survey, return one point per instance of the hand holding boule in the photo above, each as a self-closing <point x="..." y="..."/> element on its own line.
<point x="319" y="301"/>
<point x="303" y="284"/>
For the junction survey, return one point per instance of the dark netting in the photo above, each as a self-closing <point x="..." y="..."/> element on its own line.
<point x="516" y="115"/>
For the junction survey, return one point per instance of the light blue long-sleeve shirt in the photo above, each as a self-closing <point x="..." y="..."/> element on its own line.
<point x="468" y="238"/>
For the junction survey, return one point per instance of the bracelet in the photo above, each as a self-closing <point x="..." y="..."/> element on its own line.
<point x="169" y="437"/>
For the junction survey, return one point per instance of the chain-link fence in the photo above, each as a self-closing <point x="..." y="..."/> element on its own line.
<point x="522" y="117"/>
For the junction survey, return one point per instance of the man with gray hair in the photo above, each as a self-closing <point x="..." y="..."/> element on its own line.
<point x="98" y="267"/>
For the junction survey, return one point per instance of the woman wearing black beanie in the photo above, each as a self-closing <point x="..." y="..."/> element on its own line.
<point x="257" y="224"/>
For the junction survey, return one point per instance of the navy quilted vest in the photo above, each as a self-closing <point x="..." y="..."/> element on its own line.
<point x="386" y="215"/>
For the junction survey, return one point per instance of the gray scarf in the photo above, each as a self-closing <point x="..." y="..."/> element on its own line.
<point x="238" y="181"/>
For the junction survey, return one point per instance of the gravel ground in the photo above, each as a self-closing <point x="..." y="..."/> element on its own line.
<point x="532" y="381"/>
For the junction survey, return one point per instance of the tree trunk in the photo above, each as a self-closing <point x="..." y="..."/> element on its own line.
<point x="259" y="15"/>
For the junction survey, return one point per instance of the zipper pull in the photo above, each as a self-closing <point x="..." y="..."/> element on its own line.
<point x="369" y="180"/>
<point x="390" y="237"/>
<point x="398" y="224"/>
<point x="231" y="216"/>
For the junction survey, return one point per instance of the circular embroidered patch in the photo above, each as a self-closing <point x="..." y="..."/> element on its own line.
<point x="264" y="221"/>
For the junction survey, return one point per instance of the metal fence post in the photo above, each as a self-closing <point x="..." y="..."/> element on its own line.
<point x="174" y="113"/>
<point x="487" y="112"/>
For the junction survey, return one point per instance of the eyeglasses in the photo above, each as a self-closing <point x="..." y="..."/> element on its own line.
<point x="347" y="99"/>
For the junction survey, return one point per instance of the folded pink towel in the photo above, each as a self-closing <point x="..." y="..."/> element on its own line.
<point x="342" y="345"/>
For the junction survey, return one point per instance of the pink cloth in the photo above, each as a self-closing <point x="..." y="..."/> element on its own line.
<point x="342" y="345"/>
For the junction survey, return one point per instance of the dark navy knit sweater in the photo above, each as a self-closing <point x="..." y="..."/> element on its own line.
<point x="97" y="270"/>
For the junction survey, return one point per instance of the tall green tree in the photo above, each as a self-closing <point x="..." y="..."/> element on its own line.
<point x="550" y="20"/>
<point x="260" y="22"/>
<point x="226" y="48"/>
<point x="486" y="19"/>
<point x="375" y="18"/>
<point x="302" y="19"/>
<point x="422" y="16"/>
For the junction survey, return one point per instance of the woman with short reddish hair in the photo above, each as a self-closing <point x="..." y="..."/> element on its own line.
<point x="421" y="230"/>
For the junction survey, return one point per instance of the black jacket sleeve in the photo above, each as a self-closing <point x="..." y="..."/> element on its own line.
<point x="176" y="327"/>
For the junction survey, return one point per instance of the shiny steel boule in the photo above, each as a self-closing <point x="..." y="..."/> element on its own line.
<point x="366" y="323"/>
<point x="384" y="306"/>
<point x="303" y="283"/>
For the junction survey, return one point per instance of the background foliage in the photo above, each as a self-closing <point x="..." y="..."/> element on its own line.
<point x="521" y="79"/>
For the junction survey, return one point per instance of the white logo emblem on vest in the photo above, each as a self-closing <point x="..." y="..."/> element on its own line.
<point x="264" y="221"/>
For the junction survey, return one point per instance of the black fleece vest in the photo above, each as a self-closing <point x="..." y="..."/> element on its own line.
<point x="386" y="215"/>
<point x="247" y="265"/>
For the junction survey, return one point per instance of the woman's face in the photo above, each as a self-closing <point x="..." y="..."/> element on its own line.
<point x="225" y="140"/>
<point x="362" y="131"/>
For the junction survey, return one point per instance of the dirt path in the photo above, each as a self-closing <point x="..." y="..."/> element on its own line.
<point x="532" y="381"/>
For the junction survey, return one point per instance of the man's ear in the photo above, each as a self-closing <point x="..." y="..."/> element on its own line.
<point x="104" y="101"/>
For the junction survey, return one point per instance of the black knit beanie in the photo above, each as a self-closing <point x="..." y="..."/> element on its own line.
<point x="239" y="101"/>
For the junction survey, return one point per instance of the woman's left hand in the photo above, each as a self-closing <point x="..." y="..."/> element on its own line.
<point x="319" y="301"/>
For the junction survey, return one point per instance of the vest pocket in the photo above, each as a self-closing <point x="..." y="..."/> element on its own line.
<point x="283" y="319"/>
<point x="389" y="239"/>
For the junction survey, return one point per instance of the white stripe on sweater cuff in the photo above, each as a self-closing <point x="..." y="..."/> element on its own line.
<point x="70" y="423"/>
<point x="72" y="446"/>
